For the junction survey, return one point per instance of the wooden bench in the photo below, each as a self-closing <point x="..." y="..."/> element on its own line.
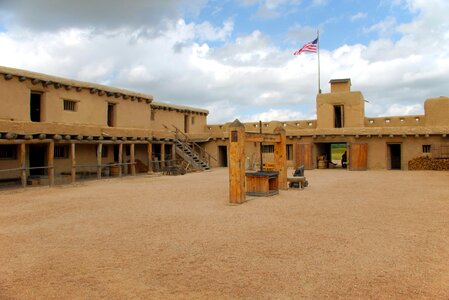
<point x="298" y="179"/>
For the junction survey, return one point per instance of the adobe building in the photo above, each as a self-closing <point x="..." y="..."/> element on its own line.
<point x="54" y="130"/>
<point x="372" y="143"/>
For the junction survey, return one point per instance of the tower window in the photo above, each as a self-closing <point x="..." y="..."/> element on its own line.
<point x="338" y="116"/>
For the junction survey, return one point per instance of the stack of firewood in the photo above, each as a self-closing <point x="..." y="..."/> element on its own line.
<point x="428" y="163"/>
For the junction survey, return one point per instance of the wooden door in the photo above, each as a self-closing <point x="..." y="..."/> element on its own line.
<point x="304" y="155"/>
<point x="357" y="156"/>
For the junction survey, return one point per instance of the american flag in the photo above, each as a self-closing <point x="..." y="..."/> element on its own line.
<point x="309" y="47"/>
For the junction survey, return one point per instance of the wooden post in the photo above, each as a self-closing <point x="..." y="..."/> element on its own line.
<point x="237" y="162"/>
<point x="23" y="172"/>
<point x="173" y="153"/>
<point x="73" y="163"/>
<point x="120" y="159"/>
<point x="51" y="159"/>
<point x="150" y="157"/>
<point x="162" y="156"/>
<point x="99" y="159"/>
<point x="133" y="162"/>
<point x="280" y="159"/>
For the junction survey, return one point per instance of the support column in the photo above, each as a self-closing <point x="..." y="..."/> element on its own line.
<point x="237" y="187"/>
<point x="23" y="172"/>
<point x="120" y="159"/>
<point x="280" y="159"/>
<point x="150" y="157"/>
<point x="162" y="156"/>
<point x="73" y="163"/>
<point x="173" y="153"/>
<point x="133" y="162"/>
<point x="51" y="159"/>
<point x="99" y="159"/>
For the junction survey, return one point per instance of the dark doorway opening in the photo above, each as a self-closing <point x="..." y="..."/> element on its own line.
<point x="338" y="116"/>
<point x="37" y="159"/>
<point x="116" y="153"/>
<point x="35" y="107"/>
<point x="395" y="156"/>
<point x="168" y="151"/>
<point x="186" y="123"/>
<point x="223" y="156"/>
<point x="331" y="155"/>
<point x="111" y="113"/>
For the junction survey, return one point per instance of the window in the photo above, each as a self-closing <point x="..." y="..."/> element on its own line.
<point x="61" y="151"/>
<point x="152" y="115"/>
<point x="426" y="148"/>
<point x="8" y="152"/>
<point x="193" y="120"/>
<point x="289" y="152"/>
<point x="267" y="148"/>
<point x="69" y="105"/>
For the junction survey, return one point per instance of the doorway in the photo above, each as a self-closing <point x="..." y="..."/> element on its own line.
<point x="186" y="123"/>
<point x="330" y="155"/>
<point x="222" y="156"/>
<point x="394" y="156"/>
<point x="37" y="159"/>
<point x="35" y="106"/>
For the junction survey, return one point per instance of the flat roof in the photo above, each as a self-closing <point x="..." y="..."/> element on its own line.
<point x="71" y="82"/>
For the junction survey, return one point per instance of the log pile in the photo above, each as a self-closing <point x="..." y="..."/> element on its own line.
<point x="428" y="163"/>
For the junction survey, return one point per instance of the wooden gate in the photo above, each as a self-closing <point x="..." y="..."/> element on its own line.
<point x="304" y="155"/>
<point x="357" y="156"/>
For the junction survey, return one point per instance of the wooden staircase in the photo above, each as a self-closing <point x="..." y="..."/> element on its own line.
<point x="191" y="152"/>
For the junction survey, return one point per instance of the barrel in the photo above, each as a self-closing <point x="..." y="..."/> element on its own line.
<point x="321" y="164"/>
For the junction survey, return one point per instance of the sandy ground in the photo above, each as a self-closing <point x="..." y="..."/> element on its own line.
<point x="375" y="234"/>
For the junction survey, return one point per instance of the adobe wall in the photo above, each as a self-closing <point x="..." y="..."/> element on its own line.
<point x="91" y="109"/>
<point x="437" y="111"/>
<point x="354" y="109"/>
<point x="166" y="118"/>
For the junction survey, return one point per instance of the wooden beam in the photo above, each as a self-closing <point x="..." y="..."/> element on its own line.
<point x="23" y="172"/>
<point x="162" y="156"/>
<point x="22" y="78"/>
<point x="120" y="158"/>
<point x="237" y="186"/>
<point x="99" y="158"/>
<point x="280" y="158"/>
<point x="73" y="162"/>
<point x="8" y="76"/>
<point x="133" y="166"/>
<point x="262" y="137"/>
<point x="51" y="159"/>
<point x="150" y="157"/>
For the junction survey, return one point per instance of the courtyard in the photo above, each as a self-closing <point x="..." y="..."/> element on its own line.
<point x="372" y="234"/>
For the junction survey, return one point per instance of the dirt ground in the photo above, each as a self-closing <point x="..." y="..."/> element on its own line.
<point x="374" y="234"/>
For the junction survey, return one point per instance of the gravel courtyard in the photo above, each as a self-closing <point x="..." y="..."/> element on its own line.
<point x="373" y="234"/>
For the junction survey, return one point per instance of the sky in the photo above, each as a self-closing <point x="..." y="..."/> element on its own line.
<point x="235" y="57"/>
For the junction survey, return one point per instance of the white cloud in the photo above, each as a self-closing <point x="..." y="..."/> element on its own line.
<point x="383" y="28"/>
<point x="358" y="16"/>
<point x="276" y="115"/>
<point x="248" y="77"/>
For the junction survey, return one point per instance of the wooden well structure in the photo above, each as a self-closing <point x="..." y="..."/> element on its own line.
<point x="237" y="173"/>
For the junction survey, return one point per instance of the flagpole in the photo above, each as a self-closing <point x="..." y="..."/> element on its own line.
<point x="318" y="44"/>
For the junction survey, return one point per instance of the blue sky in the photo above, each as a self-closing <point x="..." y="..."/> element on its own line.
<point x="234" y="57"/>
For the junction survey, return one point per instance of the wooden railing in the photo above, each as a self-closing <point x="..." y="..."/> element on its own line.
<point x="193" y="146"/>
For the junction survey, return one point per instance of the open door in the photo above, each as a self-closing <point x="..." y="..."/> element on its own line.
<point x="304" y="155"/>
<point x="357" y="156"/>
